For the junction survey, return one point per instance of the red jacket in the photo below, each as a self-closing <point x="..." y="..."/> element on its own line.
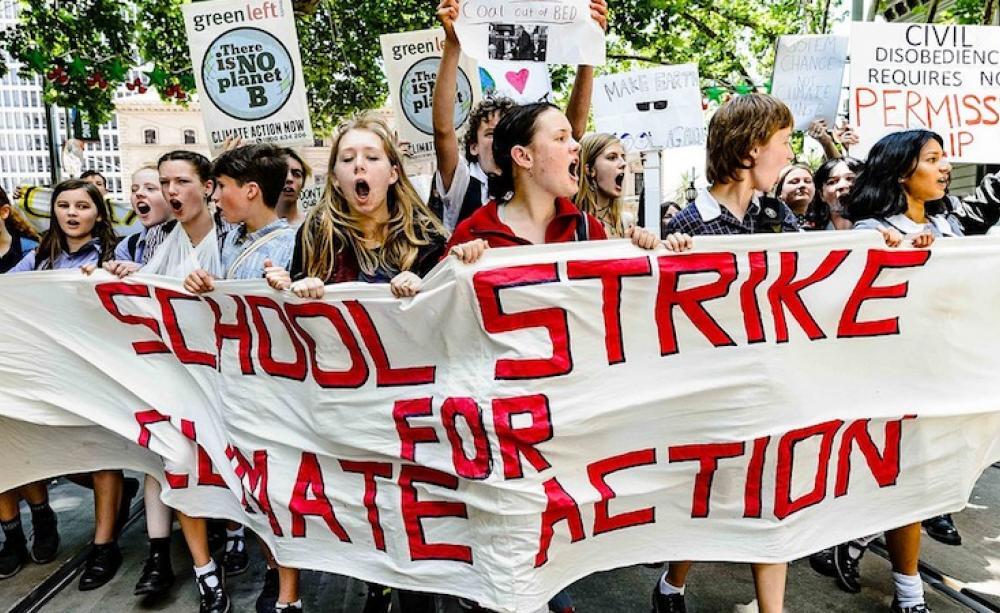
<point x="486" y="224"/>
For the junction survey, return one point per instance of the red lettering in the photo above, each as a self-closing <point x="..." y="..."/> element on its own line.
<point x="878" y="260"/>
<point x="385" y="374"/>
<point x="296" y="369"/>
<point x="238" y="331"/>
<point x="479" y="466"/>
<point x="784" y="293"/>
<point x="186" y="355"/>
<point x="708" y="456"/>
<point x="883" y="466"/>
<point x="859" y="105"/>
<point x="107" y="292"/>
<point x="690" y="300"/>
<point x="310" y="480"/>
<point x="415" y="511"/>
<point x="353" y="377"/>
<point x="559" y="506"/>
<point x="753" y="322"/>
<point x="755" y="475"/>
<point x="370" y="470"/>
<point x="409" y="435"/>
<point x="783" y="503"/>
<point x="517" y="442"/>
<point x="611" y="273"/>
<point x="253" y="478"/>
<point x="488" y="284"/>
<point x="207" y="475"/>
<point x="598" y="471"/>
<point x="145" y="419"/>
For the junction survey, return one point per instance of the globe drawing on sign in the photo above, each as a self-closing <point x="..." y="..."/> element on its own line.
<point x="248" y="74"/>
<point x="416" y="93"/>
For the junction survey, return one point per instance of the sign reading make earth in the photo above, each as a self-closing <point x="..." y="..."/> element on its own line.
<point x="249" y="71"/>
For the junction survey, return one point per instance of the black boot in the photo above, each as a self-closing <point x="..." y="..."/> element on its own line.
<point x="45" y="546"/>
<point x="101" y="566"/>
<point x="213" y="593"/>
<point x="13" y="551"/>
<point x="942" y="528"/>
<point x="157" y="573"/>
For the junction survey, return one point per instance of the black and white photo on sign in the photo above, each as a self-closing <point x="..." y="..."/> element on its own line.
<point x="517" y="42"/>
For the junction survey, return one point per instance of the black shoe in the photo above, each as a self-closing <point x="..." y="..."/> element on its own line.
<point x="157" y="573"/>
<point x="919" y="608"/>
<point x="45" y="546"/>
<point x="667" y="603"/>
<point x="101" y="566"/>
<point x="942" y="528"/>
<point x="13" y="554"/>
<point x="130" y="487"/>
<point x="235" y="559"/>
<point x="269" y="593"/>
<point x="822" y="562"/>
<point x="846" y="561"/>
<point x="214" y="598"/>
<point x="379" y="599"/>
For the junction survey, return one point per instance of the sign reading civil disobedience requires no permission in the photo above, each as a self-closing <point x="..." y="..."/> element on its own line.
<point x="249" y="72"/>
<point x="932" y="77"/>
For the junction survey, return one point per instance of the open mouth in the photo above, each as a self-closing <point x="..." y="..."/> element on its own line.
<point x="142" y="208"/>
<point x="362" y="189"/>
<point x="619" y="180"/>
<point x="72" y="223"/>
<point x="573" y="169"/>
<point x="176" y="205"/>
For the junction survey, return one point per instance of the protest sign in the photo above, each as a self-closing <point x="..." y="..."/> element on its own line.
<point x="249" y="72"/>
<point x="544" y="414"/>
<point x="522" y="82"/>
<point x="944" y="78"/>
<point x="651" y="109"/>
<point x="549" y="31"/>
<point x="808" y="76"/>
<point x="411" y="67"/>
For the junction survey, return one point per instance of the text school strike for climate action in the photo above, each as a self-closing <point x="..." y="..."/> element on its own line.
<point x="241" y="321"/>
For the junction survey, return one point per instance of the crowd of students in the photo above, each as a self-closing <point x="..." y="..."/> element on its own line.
<point x="523" y="175"/>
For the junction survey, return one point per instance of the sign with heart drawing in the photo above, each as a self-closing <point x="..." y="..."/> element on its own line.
<point x="523" y="82"/>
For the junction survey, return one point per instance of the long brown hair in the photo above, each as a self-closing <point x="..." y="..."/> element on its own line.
<point x="332" y="227"/>
<point x="16" y="224"/>
<point x="54" y="240"/>
<point x="591" y="148"/>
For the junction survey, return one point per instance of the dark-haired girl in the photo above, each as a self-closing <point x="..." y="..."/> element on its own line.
<point x="531" y="204"/>
<point x="80" y="233"/>
<point x="901" y="193"/>
<point x="833" y="181"/>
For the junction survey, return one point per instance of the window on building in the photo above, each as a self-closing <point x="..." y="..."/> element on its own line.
<point x="189" y="137"/>
<point x="149" y="136"/>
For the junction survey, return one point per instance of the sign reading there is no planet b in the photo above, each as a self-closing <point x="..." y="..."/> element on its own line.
<point x="808" y="76"/>
<point x="249" y="72"/>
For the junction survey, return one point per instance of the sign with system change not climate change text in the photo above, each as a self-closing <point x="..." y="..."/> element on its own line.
<point x="933" y="77"/>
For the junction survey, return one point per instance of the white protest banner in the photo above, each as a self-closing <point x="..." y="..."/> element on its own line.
<point x="522" y="82"/>
<point x="650" y="109"/>
<point x="808" y="76"/>
<point x="549" y="31"/>
<point x="932" y="77"/>
<point x="411" y="67"/>
<point x="249" y="72"/>
<point x="544" y="414"/>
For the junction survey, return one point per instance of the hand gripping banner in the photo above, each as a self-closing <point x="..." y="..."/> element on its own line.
<point x="544" y="414"/>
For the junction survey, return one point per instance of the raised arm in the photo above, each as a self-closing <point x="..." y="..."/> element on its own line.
<point x="578" y="108"/>
<point x="443" y="114"/>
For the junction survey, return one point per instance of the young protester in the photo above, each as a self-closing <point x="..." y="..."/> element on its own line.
<point x="370" y="226"/>
<point x="81" y="233"/>
<point x="668" y="209"/>
<point x="461" y="181"/>
<point x="602" y="157"/>
<point x="833" y="181"/>
<point x="97" y="180"/>
<point x="795" y="188"/>
<point x="538" y="162"/>
<point x="747" y="146"/>
<point x="288" y="203"/>
<point x="901" y="190"/>
<point x="151" y="208"/>
<point x="17" y="236"/>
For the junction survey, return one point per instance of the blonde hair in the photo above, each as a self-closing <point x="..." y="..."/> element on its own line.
<point x="332" y="227"/>
<point x="591" y="148"/>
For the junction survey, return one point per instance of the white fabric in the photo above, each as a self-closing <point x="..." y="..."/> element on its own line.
<point x="626" y="431"/>
<point x="176" y="257"/>
<point x="709" y="208"/>
<point x="454" y="196"/>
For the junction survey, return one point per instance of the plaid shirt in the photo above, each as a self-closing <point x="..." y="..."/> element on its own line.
<point x="705" y="216"/>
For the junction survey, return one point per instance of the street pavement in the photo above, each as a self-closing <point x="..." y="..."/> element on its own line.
<point x="970" y="570"/>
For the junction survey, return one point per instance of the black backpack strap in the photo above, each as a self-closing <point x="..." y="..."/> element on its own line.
<point x="582" y="227"/>
<point x="133" y="245"/>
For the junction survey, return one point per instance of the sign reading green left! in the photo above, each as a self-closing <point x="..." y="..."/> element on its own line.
<point x="249" y="71"/>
